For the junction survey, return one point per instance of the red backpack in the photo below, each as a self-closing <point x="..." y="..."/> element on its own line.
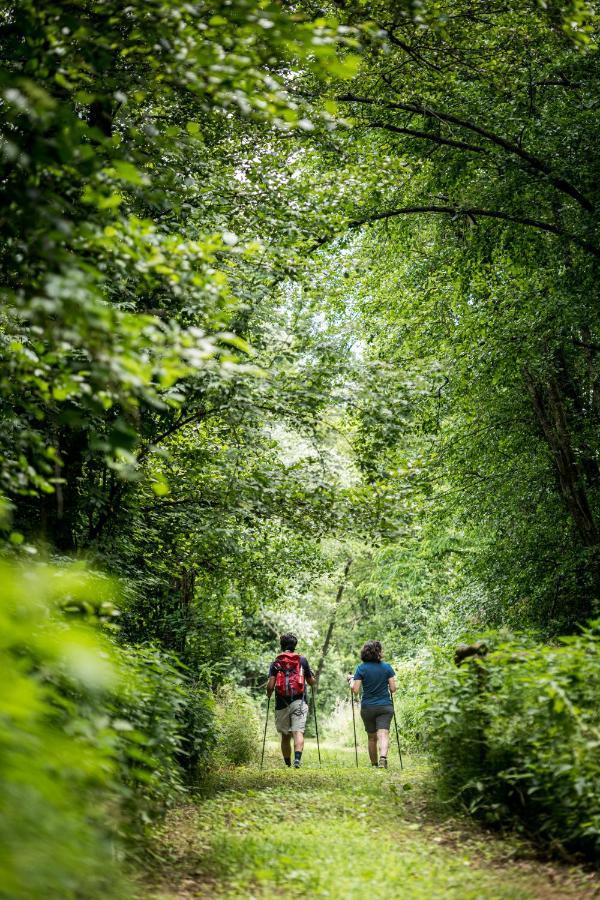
<point x="289" y="680"/>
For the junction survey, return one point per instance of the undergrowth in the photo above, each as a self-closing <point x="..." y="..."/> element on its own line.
<point x="516" y="738"/>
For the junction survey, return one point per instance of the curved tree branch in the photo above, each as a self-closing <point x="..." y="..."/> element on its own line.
<point x="118" y="491"/>
<point x="473" y="212"/>
<point x="535" y="163"/>
<point x="427" y="136"/>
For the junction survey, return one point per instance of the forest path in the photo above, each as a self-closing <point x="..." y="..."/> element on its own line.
<point x="342" y="833"/>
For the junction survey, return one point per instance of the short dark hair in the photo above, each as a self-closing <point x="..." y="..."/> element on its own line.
<point x="371" y="652"/>
<point x="288" y="641"/>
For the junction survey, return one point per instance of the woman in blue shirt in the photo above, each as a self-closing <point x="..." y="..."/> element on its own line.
<point x="378" y="684"/>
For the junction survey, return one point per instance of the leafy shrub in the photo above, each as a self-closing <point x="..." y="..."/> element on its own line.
<point x="57" y="764"/>
<point x="145" y="714"/>
<point x="237" y="727"/>
<point x="93" y="736"/>
<point x="516" y="735"/>
<point x="198" y="731"/>
<point x="413" y="677"/>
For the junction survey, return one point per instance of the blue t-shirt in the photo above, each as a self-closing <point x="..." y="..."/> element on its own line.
<point x="374" y="677"/>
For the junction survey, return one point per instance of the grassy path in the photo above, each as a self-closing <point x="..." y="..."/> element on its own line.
<point x="342" y="833"/>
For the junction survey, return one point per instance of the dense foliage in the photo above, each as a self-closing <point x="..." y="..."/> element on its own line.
<point x="299" y="330"/>
<point x="515" y="736"/>
<point x="478" y="274"/>
<point x="89" y="736"/>
<point x="139" y="429"/>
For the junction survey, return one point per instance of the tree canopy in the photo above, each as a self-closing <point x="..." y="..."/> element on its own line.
<point x="299" y="330"/>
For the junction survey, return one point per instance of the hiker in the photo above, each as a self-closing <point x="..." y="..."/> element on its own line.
<point x="288" y="676"/>
<point x="378" y="682"/>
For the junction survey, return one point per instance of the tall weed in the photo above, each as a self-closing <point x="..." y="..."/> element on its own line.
<point x="413" y="680"/>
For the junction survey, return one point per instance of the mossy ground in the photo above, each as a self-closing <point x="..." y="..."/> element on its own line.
<point x="340" y="832"/>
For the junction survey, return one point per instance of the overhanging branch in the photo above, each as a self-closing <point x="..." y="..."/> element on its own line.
<point x="427" y="136"/>
<point x="475" y="212"/>
<point x="535" y="163"/>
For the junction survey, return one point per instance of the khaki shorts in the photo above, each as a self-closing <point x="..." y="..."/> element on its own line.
<point x="292" y="718"/>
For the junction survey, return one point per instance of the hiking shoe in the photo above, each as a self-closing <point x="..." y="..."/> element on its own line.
<point x="296" y="763"/>
<point x="382" y="762"/>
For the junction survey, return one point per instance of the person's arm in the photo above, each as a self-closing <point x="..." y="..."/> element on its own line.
<point x="271" y="679"/>
<point x="391" y="679"/>
<point x="354" y="682"/>
<point x="308" y="673"/>
<point x="355" y="685"/>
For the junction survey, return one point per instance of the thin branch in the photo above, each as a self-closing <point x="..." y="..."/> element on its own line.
<point x="595" y="348"/>
<point x="473" y="213"/>
<point x="180" y="423"/>
<point x="425" y="135"/>
<point x="559" y="82"/>
<point x="113" y="504"/>
<point x="411" y="51"/>
<point x="538" y="165"/>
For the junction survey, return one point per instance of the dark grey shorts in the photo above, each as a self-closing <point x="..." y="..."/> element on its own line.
<point x="376" y="717"/>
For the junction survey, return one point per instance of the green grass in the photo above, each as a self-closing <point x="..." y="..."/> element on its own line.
<point x="335" y="832"/>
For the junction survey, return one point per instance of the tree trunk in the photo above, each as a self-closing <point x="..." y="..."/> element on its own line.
<point x="187" y="584"/>
<point x="100" y="115"/>
<point x="552" y="419"/>
<point x="575" y="475"/>
<point x="60" y="512"/>
<point x="331" y="626"/>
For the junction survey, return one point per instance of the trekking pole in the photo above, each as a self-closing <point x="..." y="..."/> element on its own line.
<point x="316" y="726"/>
<point x="354" y="727"/>
<point x="265" y="734"/>
<point x="396" y="727"/>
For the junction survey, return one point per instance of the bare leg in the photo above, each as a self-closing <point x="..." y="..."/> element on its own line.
<point x="286" y="745"/>
<point x="298" y="740"/>
<point x="383" y="736"/>
<point x="373" y="748"/>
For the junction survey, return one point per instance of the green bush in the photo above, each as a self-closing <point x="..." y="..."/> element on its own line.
<point x="197" y="723"/>
<point x="145" y="714"/>
<point x="237" y="727"/>
<point x="94" y="736"/>
<point x="57" y="763"/>
<point x="413" y="677"/>
<point x="516" y="736"/>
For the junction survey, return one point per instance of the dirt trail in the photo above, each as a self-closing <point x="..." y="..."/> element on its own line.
<point x="343" y="833"/>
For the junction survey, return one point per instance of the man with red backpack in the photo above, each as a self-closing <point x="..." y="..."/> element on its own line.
<point x="288" y="676"/>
